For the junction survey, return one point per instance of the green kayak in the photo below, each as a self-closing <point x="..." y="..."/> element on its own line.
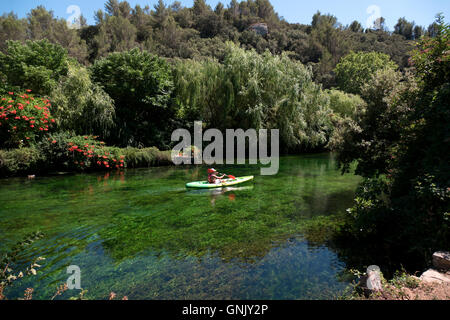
<point x="225" y="183"/>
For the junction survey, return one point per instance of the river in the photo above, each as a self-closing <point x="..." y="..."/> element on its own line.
<point x="141" y="234"/>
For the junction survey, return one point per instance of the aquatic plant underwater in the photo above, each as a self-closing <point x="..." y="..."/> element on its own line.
<point x="141" y="234"/>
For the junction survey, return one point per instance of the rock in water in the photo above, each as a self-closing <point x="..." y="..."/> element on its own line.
<point x="441" y="260"/>
<point x="374" y="278"/>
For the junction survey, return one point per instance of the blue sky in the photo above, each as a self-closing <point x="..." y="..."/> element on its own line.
<point x="420" y="11"/>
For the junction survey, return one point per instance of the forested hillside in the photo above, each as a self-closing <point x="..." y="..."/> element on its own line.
<point x="171" y="30"/>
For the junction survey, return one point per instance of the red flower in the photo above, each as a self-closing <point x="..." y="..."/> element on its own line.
<point x="54" y="141"/>
<point x="28" y="90"/>
<point x="11" y="93"/>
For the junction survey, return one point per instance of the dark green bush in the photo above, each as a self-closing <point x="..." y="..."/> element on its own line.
<point x="55" y="154"/>
<point x="148" y="157"/>
<point x="21" y="161"/>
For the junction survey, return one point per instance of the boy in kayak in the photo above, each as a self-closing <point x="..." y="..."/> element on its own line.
<point x="213" y="177"/>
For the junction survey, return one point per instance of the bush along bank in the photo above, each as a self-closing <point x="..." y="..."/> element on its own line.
<point x="89" y="157"/>
<point x="33" y="143"/>
<point x="63" y="152"/>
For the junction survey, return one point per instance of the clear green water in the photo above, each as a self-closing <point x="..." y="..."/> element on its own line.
<point x="143" y="235"/>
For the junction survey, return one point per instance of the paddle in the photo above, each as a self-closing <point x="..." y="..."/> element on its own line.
<point x="228" y="175"/>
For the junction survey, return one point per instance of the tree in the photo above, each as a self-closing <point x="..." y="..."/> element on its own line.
<point x="250" y="90"/>
<point x="112" y="8"/>
<point x="433" y="30"/>
<point x="419" y="31"/>
<point x="200" y="7"/>
<point x="141" y="19"/>
<point x="81" y="106"/>
<point x="356" y="69"/>
<point x="320" y="19"/>
<point x="43" y="25"/>
<point x="160" y="15"/>
<point x="35" y="65"/>
<point x="405" y="28"/>
<point x="404" y="137"/>
<point x="11" y="28"/>
<point x="379" y="24"/>
<point x="140" y="85"/>
<point x="355" y="26"/>
<point x="115" y="34"/>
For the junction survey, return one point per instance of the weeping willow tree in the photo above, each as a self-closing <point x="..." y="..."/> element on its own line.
<point x="249" y="90"/>
<point x="81" y="105"/>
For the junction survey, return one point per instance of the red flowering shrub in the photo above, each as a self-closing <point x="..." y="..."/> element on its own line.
<point x="24" y="118"/>
<point x="89" y="153"/>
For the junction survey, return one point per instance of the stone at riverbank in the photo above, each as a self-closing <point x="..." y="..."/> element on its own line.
<point x="433" y="276"/>
<point x="441" y="260"/>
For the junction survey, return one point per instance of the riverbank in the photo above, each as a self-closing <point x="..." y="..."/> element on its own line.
<point x="37" y="160"/>
<point x="433" y="284"/>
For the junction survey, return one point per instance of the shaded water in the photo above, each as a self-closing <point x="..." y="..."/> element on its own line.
<point x="140" y="233"/>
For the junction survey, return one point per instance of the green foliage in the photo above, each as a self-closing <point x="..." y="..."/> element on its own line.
<point x="372" y="135"/>
<point x="11" y="28"/>
<point x="356" y="69"/>
<point x="249" y="90"/>
<point x="41" y="24"/>
<point x="36" y="65"/>
<point x="199" y="32"/>
<point x="87" y="153"/>
<point x="432" y="57"/>
<point x="23" y="119"/>
<point x="141" y="86"/>
<point x="405" y="28"/>
<point x="345" y="104"/>
<point x="81" y="105"/>
<point x="20" y="161"/>
<point x="115" y="34"/>
<point x="404" y="136"/>
<point x="63" y="151"/>
<point x="147" y="157"/>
